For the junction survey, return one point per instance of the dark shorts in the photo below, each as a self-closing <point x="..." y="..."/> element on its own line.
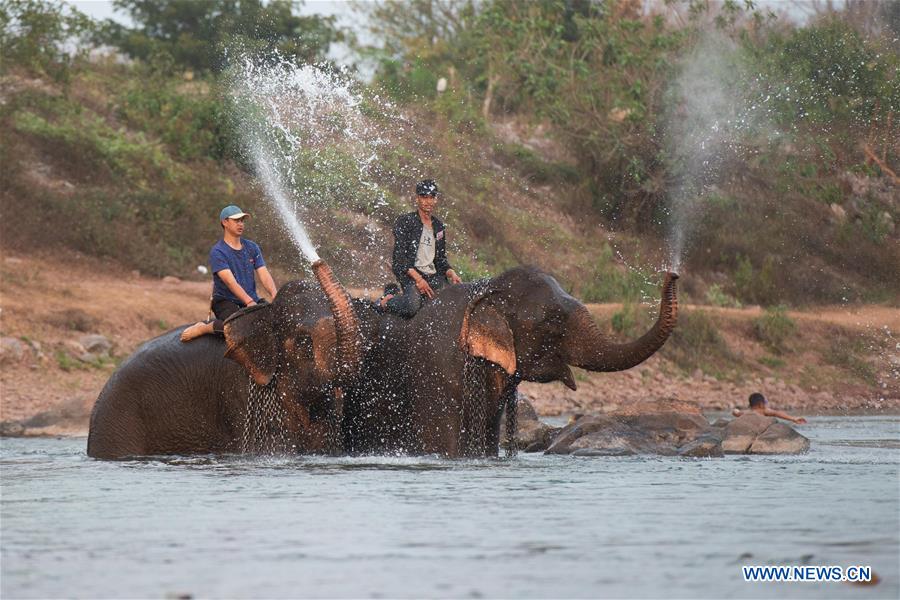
<point x="410" y="301"/>
<point x="223" y="309"/>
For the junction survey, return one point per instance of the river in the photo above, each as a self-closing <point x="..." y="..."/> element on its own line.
<point x="535" y="526"/>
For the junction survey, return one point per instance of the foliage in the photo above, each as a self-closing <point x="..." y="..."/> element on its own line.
<point x="137" y="159"/>
<point x="631" y="320"/>
<point x="755" y="284"/>
<point x="39" y="35"/>
<point x="849" y="353"/>
<point x="774" y="329"/>
<point x="697" y="343"/>
<point x="609" y="282"/>
<point x="826" y="72"/>
<point x="716" y="296"/>
<point x="533" y="167"/>
<point x="197" y="35"/>
<point x="189" y="117"/>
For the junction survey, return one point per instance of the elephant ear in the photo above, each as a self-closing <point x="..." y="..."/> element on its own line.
<point x="250" y="341"/>
<point x="485" y="333"/>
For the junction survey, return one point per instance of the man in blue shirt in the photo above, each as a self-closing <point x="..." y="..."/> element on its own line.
<point x="235" y="262"/>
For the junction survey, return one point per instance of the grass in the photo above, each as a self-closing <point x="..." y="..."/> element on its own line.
<point x="69" y="364"/>
<point x="774" y="329"/>
<point x="773" y="362"/>
<point x="716" y="296"/>
<point x="848" y="353"/>
<point x="608" y="282"/>
<point x="74" y="319"/>
<point x="697" y="344"/>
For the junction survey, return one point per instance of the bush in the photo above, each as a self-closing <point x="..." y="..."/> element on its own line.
<point x="133" y="157"/>
<point x="846" y="352"/>
<point x="826" y="72"/>
<point x="755" y="285"/>
<point x="609" y="283"/>
<point x="716" y="296"/>
<point x="38" y="35"/>
<point x="533" y="167"/>
<point x="697" y="343"/>
<point x="774" y="329"/>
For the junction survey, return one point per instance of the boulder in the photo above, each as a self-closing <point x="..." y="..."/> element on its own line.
<point x="674" y="428"/>
<point x="532" y="435"/>
<point x="96" y="344"/>
<point x="705" y="446"/>
<point x="11" y="429"/>
<point x="740" y="433"/>
<point x="779" y="439"/>
<point x="646" y="427"/>
<point x="66" y="418"/>
<point x="12" y="350"/>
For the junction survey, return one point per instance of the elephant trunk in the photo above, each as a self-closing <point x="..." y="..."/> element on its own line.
<point x="586" y="347"/>
<point x="348" y="347"/>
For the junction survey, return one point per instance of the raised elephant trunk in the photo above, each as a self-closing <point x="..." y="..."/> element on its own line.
<point x="348" y="347"/>
<point x="586" y="347"/>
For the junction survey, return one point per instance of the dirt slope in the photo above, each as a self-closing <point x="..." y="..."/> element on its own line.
<point x="49" y="303"/>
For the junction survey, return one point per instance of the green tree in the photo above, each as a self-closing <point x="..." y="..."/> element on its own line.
<point x="42" y="36"/>
<point x="196" y="33"/>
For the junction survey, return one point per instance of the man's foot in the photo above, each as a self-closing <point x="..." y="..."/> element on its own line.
<point x="196" y="330"/>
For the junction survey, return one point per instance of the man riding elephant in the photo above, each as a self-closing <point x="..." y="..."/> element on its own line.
<point x="235" y="262"/>
<point x="420" y="254"/>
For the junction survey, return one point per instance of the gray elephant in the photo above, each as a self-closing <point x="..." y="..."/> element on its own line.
<point x="171" y="397"/>
<point x="439" y="383"/>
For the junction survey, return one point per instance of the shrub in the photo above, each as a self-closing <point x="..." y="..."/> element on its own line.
<point x="846" y="352"/>
<point x="631" y="320"/>
<point x="716" y="296"/>
<point x="609" y="283"/>
<point x="39" y="35"/>
<point x="697" y="343"/>
<point x="755" y="285"/>
<point x="774" y="329"/>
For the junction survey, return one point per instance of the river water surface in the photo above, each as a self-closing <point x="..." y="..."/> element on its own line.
<point x="535" y="526"/>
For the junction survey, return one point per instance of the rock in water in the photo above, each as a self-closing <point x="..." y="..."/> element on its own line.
<point x="740" y="433"/>
<point x="672" y="427"/>
<point x="779" y="439"/>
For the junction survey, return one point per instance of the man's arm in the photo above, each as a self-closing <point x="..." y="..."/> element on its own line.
<point x="440" y="257"/>
<point x="266" y="279"/>
<point x="783" y="415"/>
<point x="420" y="282"/>
<point x="403" y="257"/>
<point x="228" y="277"/>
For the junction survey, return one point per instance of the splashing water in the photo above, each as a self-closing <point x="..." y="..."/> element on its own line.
<point x="305" y="131"/>
<point x="707" y="117"/>
<point x="268" y="174"/>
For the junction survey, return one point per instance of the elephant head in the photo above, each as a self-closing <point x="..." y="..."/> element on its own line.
<point x="296" y="331"/>
<point x="527" y="324"/>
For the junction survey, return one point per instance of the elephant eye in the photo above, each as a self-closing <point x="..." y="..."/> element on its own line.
<point x="299" y="348"/>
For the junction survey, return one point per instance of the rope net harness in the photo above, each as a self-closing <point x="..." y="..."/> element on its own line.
<point x="264" y="421"/>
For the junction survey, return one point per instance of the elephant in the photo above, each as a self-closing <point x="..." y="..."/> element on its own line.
<point x="171" y="397"/>
<point x="343" y="375"/>
<point x="439" y="383"/>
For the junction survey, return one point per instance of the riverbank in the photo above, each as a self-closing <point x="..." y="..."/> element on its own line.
<point x="51" y="306"/>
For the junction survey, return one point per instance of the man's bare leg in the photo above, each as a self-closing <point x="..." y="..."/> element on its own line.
<point x="196" y="330"/>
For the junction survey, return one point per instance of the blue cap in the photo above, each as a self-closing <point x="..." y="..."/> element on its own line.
<point x="232" y="212"/>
